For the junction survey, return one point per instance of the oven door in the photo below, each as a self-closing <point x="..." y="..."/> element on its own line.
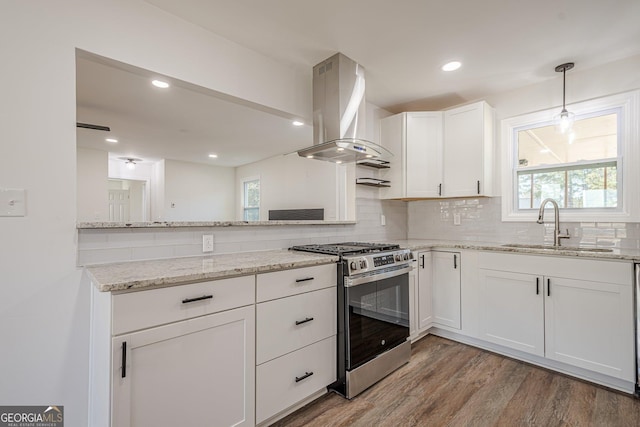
<point x="377" y="313"/>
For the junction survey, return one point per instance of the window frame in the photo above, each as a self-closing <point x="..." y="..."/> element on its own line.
<point x="243" y="198"/>
<point x="627" y="105"/>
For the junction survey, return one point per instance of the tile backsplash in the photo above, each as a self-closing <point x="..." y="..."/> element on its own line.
<point x="98" y="246"/>
<point x="480" y="220"/>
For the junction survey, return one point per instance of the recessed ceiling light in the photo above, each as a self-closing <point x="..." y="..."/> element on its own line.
<point x="340" y="149"/>
<point x="213" y="156"/>
<point x="451" y="66"/>
<point x="310" y="156"/>
<point x="160" y="84"/>
<point x="338" y="161"/>
<point x="112" y="140"/>
<point x="297" y="123"/>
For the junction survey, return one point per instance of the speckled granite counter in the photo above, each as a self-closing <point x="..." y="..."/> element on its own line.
<point x="147" y="274"/>
<point x="179" y="224"/>
<point x="615" y="254"/>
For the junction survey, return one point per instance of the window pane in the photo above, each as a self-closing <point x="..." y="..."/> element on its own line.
<point x="548" y="185"/>
<point x="251" y="200"/>
<point x="524" y="191"/>
<point x="252" y="214"/>
<point x="593" y="138"/>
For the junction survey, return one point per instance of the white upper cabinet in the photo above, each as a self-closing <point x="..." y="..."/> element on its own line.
<point x="415" y="139"/>
<point x="439" y="154"/>
<point x="468" y="151"/>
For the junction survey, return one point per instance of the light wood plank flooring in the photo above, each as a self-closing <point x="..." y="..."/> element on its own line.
<point x="452" y="384"/>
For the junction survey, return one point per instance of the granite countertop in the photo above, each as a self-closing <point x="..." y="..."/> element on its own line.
<point x="179" y="224"/>
<point x="572" y="251"/>
<point x="175" y="271"/>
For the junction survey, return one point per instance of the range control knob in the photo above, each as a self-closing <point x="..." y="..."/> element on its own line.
<point x="353" y="265"/>
<point x="406" y="257"/>
<point x="363" y="263"/>
<point x="398" y="257"/>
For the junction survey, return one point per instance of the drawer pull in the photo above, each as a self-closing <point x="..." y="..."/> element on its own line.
<point x="306" y="279"/>
<point x="203" y="297"/>
<point x="300" y="322"/>
<point x="305" y="376"/>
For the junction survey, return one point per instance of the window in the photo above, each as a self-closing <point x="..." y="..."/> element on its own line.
<point x="251" y="200"/>
<point x="589" y="170"/>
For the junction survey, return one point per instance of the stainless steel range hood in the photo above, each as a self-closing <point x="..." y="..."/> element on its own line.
<point x="339" y="113"/>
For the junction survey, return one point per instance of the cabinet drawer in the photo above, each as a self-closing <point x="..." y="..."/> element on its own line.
<point x="277" y="332"/>
<point x="143" y="309"/>
<point x="285" y="381"/>
<point x="291" y="282"/>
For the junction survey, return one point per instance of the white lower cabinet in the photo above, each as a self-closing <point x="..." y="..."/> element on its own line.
<point x="513" y="310"/>
<point x="446" y="288"/>
<point x="575" y="311"/>
<point x="282" y="382"/>
<point x="194" y="372"/>
<point x="424" y="290"/>
<point x="296" y="318"/>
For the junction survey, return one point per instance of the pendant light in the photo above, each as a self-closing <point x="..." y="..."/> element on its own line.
<point x="565" y="119"/>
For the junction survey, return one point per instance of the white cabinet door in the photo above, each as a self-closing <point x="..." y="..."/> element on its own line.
<point x="194" y="372"/>
<point x="512" y="310"/>
<point x="424" y="154"/>
<point x="392" y="137"/>
<point x="468" y="138"/>
<point x="590" y="325"/>
<point x="425" y="290"/>
<point x="415" y="139"/>
<point x="446" y="288"/>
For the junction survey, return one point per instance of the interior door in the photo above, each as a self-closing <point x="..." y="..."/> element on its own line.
<point x="119" y="210"/>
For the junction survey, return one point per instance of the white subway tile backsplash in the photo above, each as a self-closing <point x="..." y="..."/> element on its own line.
<point x="106" y="245"/>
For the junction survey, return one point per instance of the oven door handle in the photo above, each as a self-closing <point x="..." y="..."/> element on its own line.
<point x="356" y="281"/>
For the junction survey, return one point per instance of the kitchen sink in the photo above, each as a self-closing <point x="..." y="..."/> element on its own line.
<point x="556" y="248"/>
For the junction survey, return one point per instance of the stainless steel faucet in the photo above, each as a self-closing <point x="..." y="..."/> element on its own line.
<point x="556" y="231"/>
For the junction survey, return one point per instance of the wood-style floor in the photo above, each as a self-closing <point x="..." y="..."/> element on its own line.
<point x="452" y="384"/>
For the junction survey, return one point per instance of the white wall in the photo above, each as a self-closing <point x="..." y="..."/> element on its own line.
<point x="44" y="303"/>
<point x="293" y="182"/>
<point x="197" y="192"/>
<point x="92" y="185"/>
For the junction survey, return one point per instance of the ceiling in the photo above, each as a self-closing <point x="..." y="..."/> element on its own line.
<point x="503" y="44"/>
<point x="183" y="122"/>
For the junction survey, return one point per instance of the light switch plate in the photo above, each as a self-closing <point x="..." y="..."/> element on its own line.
<point x="12" y="202"/>
<point x="456" y="219"/>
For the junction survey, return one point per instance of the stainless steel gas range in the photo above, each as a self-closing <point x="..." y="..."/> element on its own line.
<point x="373" y="312"/>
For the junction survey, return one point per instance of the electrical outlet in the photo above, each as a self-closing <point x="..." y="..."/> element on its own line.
<point x="456" y="219"/>
<point x="383" y="220"/>
<point x="207" y="243"/>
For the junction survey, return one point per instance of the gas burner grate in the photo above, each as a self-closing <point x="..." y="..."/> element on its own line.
<point x="346" y="248"/>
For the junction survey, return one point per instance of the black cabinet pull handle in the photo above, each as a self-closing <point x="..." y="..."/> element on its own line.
<point x="306" y="375"/>
<point x="124" y="359"/>
<point x="455" y="261"/>
<point x="478" y="187"/>
<point x="537" y="286"/>
<point x="422" y="259"/>
<point x="306" y="279"/>
<point x="300" y="322"/>
<point x="203" y="297"/>
<point x="548" y="287"/>
<point x="439" y="189"/>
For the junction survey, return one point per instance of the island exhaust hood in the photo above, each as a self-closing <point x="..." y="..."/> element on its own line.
<point x="339" y="114"/>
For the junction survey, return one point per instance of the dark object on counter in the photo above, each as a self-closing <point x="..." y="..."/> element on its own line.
<point x="296" y="215"/>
